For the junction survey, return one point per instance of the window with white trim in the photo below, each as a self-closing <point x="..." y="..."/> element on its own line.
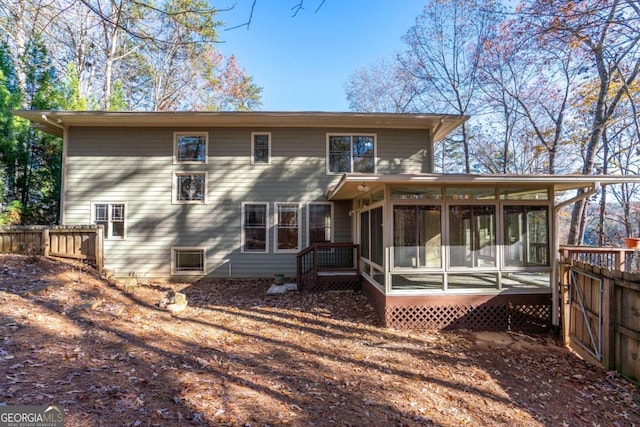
<point x="190" y="187"/>
<point x="287" y="227"/>
<point x="351" y="153"/>
<point x="112" y="217"/>
<point x="254" y="227"/>
<point x="320" y="219"/>
<point x="260" y="148"/>
<point x="186" y="260"/>
<point x="190" y="147"/>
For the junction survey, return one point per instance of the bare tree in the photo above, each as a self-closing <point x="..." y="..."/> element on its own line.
<point x="444" y="52"/>
<point x="607" y="33"/>
<point x="384" y="86"/>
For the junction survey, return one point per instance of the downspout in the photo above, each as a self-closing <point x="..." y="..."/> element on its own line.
<point x="555" y="290"/>
<point x="63" y="166"/>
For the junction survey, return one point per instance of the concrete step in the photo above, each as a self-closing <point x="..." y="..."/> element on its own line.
<point x="281" y="289"/>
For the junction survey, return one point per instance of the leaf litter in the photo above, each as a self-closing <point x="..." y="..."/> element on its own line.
<point x="109" y="355"/>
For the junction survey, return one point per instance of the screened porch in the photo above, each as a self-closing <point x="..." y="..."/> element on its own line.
<point x="456" y="239"/>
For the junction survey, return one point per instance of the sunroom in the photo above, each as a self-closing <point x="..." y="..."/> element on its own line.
<point x="451" y="251"/>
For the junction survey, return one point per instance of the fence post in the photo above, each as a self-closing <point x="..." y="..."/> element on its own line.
<point x="99" y="248"/>
<point x="608" y="323"/>
<point x="620" y="258"/>
<point x="564" y="271"/>
<point x="45" y="242"/>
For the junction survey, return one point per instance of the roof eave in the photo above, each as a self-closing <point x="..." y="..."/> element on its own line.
<point x="344" y="189"/>
<point x="439" y="125"/>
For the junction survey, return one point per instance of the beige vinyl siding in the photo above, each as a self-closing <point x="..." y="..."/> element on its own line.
<point x="404" y="151"/>
<point x="135" y="165"/>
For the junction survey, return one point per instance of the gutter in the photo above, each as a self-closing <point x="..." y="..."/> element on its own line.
<point x="555" y="291"/>
<point x="330" y="191"/>
<point x="63" y="168"/>
<point x="55" y="124"/>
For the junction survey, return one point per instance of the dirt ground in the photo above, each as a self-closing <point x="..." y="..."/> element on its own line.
<point x="111" y="356"/>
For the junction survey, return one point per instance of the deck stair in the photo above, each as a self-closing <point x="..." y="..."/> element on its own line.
<point x="328" y="267"/>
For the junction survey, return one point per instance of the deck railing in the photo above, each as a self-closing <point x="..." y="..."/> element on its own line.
<point x="324" y="258"/>
<point x="620" y="259"/>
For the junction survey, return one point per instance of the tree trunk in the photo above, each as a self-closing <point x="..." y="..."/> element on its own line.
<point x="465" y="145"/>
<point x="576" y="231"/>
<point x="602" y="237"/>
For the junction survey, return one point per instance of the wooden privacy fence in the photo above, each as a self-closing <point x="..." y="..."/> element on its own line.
<point x="601" y="314"/>
<point x="80" y="242"/>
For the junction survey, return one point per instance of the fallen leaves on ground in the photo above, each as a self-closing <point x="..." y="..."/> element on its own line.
<point x="109" y="355"/>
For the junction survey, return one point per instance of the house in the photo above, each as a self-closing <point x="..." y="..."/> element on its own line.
<point x="244" y="194"/>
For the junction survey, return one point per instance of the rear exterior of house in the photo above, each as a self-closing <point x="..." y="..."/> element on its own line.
<point x="223" y="194"/>
<point x="190" y="195"/>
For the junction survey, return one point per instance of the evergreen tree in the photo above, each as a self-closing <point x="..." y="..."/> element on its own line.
<point x="31" y="160"/>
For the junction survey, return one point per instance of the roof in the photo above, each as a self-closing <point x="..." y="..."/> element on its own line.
<point x="347" y="187"/>
<point x="54" y="122"/>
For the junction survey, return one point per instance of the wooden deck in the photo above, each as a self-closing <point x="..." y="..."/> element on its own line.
<point x="329" y="266"/>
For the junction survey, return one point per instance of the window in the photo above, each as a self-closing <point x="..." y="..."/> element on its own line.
<point x="260" y="148"/>
<point x="187" y="261"/>
<point x="190" y="147"/>
<point x="371" y="236"/>
<point x="254" y="227"/>
<point x="472" y="236"/>
<point x="524" y="193"/>
<point x="320" y="218"/>
<point x="526" y="241"/>
<point x="416" y="236"/>
<point x="364" y="234"/>
<point x="377" y="242"/>
<point x="112" y="217"/>
<point x="190" y="187"/>
<point x="351" y="153"/>
<point x="287" y="229"/>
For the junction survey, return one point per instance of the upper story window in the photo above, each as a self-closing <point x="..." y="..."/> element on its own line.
<point x="260" y="148"/>
<point x="190" y="187"/>
<point x="190" y="147"/>
<point x="112" y="217"/>
<point x="351" y="153"/>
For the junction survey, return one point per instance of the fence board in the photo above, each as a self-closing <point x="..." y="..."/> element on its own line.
<point x="75" y="242"/>
<point x="627" y="360"/>
<point x="620" y="314"/>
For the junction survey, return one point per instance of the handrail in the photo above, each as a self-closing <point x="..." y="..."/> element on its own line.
<point x="327" y="257"/>
<point x="621" y="259"/>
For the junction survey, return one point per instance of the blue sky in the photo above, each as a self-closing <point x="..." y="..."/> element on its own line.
<point x="303" y="62"/>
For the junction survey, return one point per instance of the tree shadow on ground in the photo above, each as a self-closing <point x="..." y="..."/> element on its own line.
<point x="110" y="356"/>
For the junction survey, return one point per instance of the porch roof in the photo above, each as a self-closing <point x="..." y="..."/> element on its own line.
<point x="54" y="122"/>
<point x="347" y="187"/>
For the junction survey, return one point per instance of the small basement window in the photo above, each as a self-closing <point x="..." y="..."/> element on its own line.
<point x="187" y="260"/>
